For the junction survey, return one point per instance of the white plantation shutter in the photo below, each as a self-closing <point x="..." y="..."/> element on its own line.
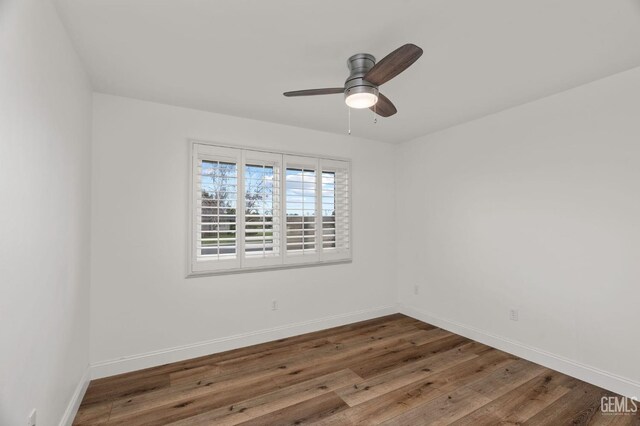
<point x="252" y="209"/>
<point x="262" y="178"/>
<point x="302" y="242"/>
<point x="336" y="209"/>
<point x="216" y="200"/>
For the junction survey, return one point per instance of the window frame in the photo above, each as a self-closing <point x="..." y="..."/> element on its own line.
<point x="285" y="260"/>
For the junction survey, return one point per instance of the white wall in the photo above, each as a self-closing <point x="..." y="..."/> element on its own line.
<point x="535" y="208"/>
<point x="141" y="300"/>
<point x="45" y="130"/>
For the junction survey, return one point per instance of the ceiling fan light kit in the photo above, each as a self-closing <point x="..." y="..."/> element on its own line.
<point x="365" y="76"/>
<point x="361" y="97"/>
<point x="359" y="93"/>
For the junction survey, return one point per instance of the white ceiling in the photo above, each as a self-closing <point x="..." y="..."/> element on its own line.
<point x="238" y="56"/>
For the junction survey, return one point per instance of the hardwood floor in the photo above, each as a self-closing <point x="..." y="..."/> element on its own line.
<point x="392" y="370"/>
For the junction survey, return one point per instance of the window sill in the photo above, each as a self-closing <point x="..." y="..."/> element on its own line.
<point x="267" y="268"/>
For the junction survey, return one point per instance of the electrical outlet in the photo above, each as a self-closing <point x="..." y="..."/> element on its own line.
<point x="31" y="421"/>
<point x="513" y="314"/>
<point x="416" y="289"/>
<point x="274" y="305"/>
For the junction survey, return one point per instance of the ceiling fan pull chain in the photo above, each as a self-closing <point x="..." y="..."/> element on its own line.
<point x="349" y="119"/>
<point x="375" y="117"/>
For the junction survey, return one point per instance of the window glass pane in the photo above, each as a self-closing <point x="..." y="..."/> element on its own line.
<point x="301" y="210"/>
<point x="328" y="209"/>
<point x="261" y="211"/>
<point x="218" y="190"/>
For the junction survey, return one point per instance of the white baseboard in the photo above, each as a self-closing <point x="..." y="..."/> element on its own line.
<point x="604" y="379"/>
<point x="76" y="399"/>
<point x="180" y="353"/>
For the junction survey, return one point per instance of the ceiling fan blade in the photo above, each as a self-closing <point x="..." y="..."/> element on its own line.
<point x="393" y="64"/>
<point x="312" y="92"/>
<point x="384" y="107"/>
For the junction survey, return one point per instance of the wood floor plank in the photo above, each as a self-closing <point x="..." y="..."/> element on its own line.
<point x="310" y="411"/>
<point x="580" y="406"/>
<point x="454" y="405"/>
<point x="209" y="370"/>
<point x="96" y="413"/>
<point x="523" y="403"/>
<point x="406" y="374"/>
<point x="393" y="369"/>
<point x="442" y="410"/>
<point x="262" y="405"/>
<point x="109" y="390"/>
<point x="505" y="379"/>
<point x="431" y="336"/>
<point x="396" y="402"/>
<point x="385" y="407"/>
<point x="390" y="359"/>
<point x="471" y="371"/>
<point x="630" y="419"/>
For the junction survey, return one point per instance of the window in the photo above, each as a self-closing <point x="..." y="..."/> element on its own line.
<point x="253" y="209"/>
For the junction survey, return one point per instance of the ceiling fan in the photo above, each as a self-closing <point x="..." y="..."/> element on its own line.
<point x="365" y="75"/>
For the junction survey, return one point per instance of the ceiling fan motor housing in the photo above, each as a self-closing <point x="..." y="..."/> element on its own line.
<point x="359" y="64"/>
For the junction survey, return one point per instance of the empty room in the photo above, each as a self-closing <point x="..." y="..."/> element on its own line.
<point x="224" y="212"/>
